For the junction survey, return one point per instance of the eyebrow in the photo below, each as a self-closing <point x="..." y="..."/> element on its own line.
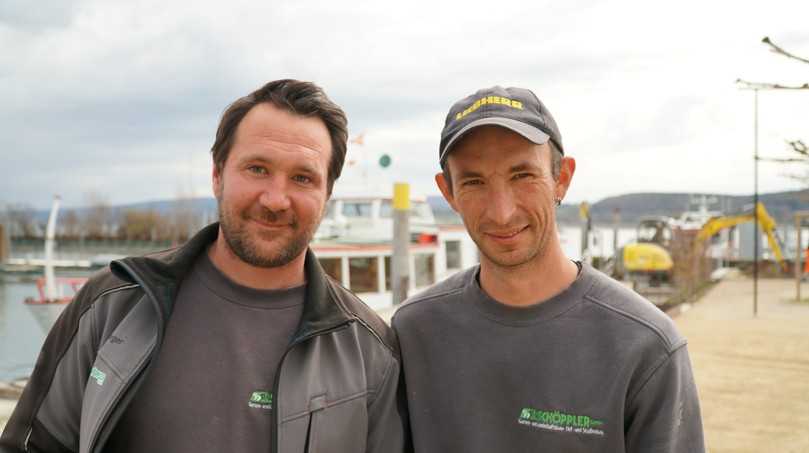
<point x="304" y="166"/>
<point x="464" y="174"/>
<point x="523" y="166"/>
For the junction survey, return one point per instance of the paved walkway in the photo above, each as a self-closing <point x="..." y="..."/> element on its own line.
<point x="6" y="406"/>
<point x="752" y="373"/>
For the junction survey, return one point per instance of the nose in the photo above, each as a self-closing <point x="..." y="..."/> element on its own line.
<point x="275" y="196"/>
<point x="501" y="204"/>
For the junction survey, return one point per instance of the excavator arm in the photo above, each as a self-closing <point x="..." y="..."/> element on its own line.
<point x="765" y="221"/>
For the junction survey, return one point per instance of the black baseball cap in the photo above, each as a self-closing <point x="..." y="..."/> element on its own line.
<point x="517" y="109"/>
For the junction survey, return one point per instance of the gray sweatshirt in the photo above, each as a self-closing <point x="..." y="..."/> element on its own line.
<point x="596" y="368"/>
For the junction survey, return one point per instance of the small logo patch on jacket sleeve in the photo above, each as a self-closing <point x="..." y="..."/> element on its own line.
<point x="98" y="375"/>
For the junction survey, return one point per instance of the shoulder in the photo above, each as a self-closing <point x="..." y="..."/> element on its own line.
<point x="367" y="318"/>
<point x="101" y="284"/>
<point x="619" y="302"/>
<point x="425" y="302"/>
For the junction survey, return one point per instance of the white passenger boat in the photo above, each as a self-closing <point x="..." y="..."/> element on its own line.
<point x="354" y="245"/>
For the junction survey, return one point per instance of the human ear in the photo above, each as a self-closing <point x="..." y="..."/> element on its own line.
<point x="568" y="168"/>
<point x="446" y="190"/>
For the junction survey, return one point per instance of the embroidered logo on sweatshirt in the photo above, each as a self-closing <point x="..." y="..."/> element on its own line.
<point x="561" y="421"/>
<point x="98" y="375"/>
<point x="260" y="399"/>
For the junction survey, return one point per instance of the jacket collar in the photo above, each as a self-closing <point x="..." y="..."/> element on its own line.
<point x="162" y="273"/>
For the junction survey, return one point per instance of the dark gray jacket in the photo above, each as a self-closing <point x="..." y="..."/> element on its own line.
<point x="336" y="390"/>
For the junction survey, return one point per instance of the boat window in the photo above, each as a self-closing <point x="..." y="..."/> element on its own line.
<point x="654" y="233"/>
<point x="386" y="209"/>
<point x="363" y="274"/>
<point x="418" y="209"/>
<point x="332" y="267"/>
<point x="453" y="253"/>
<point x="357" y="209"/>
<point x="425" y="269"/>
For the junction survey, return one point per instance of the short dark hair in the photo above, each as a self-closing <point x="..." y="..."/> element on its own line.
<point x="301" y="98"/>
<point x="556" y="165"/>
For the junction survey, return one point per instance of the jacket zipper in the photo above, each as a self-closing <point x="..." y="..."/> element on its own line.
<point x="274" y="425"/>
<point x="114" y="413"/>
<point x="102" y="434"/>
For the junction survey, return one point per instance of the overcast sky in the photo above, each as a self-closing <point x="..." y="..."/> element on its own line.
<point x="120" y="99"/>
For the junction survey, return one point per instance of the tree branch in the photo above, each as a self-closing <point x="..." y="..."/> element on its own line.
<point x="776" y="49"/>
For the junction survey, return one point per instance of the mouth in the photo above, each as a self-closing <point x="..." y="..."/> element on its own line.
<point x="271" y="225"/>
<point x="505" y="235"/>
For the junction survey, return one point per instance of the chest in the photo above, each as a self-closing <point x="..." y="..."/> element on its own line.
<point x="551" y="385"/>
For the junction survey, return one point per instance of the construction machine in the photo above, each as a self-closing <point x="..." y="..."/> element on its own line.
<point x="649" y="259"/>
<point x="765" y="221"/>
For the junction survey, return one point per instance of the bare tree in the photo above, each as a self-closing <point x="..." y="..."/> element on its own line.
<point x="21" y="220"/>
<point x="777" y="49"/>
<point x="801" y="156"/>
<point x="182" y="217"/>
<point x="71" y="225"/>
<point x="98" y="218"/>
<point x="143" y="226"/>
<point x="800" y="153"/>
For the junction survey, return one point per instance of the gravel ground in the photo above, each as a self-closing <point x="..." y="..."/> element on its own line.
<point x="6" y="406"/>
<point x="752" y="373"/>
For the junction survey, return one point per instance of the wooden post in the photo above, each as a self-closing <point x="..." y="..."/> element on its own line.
<point x="4" y="244"/>
<point x="584" y="213"/>
<point x="798" y="253"/>
<point x="616" y="222"/>
<point x="400" y="261"/>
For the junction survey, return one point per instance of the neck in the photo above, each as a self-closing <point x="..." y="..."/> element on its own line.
<point x="245" y="274"/>
<point x="530" y="283"/>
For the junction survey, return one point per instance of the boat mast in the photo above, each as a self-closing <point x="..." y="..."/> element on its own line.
<point x="50" y="235"/>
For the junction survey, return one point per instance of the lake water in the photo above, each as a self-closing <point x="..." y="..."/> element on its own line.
<point x="21" y="336"/>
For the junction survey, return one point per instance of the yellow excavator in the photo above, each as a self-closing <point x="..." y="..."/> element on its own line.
<point x="650" y="257"/>
<point x="767" y="224"/>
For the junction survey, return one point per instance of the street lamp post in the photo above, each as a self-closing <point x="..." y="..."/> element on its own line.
<point x="756" y="86"/>
<point x="755" y="203"/>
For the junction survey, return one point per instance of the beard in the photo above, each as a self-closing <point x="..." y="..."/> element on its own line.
<point x="264" y="249"/>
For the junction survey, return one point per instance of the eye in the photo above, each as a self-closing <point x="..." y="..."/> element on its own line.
<point x="471" y="182"/>
<point x="257" y="170"/>
<point x="302" y="179"/>
<point x="522" y="176"/>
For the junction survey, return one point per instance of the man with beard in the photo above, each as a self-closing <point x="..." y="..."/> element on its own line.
<point x="236" y="341"/>
<point x="530" y="351"/>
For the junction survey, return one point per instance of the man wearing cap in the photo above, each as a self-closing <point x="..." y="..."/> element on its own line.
<point x="530" y="351"/>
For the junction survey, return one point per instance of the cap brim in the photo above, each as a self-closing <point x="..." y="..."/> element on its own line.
<point x="530" y="133"/>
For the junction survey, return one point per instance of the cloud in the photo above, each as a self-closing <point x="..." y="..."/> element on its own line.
<point x="124" y="97"/>
<point x="22" y="15"/>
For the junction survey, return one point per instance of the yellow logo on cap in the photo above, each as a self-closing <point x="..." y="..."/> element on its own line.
<point x="489" y="100"/>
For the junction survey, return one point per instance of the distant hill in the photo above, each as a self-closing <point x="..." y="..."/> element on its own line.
<point x="780" y="205"/>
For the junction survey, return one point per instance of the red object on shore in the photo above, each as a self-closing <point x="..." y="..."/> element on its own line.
<point x="806" y="261"/>
<point x="75" y="283"/>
